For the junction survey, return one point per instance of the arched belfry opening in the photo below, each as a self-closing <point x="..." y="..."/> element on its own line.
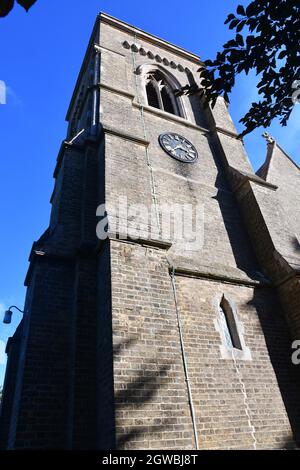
<point x="160" y="93"/>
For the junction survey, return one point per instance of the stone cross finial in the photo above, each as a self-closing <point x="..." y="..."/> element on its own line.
<point x="268" y="138"/>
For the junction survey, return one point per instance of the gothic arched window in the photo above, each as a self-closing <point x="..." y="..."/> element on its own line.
<point x="160" y="93"/>
<point x="228" y="325"/>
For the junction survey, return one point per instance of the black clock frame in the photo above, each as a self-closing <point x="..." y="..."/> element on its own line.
<point x="160" y="139"/>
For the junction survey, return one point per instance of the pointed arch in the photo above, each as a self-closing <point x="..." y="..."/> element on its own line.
<point x="228" y="325"/>
<point x="231" y="329"/>
<point x="159" y="87"/>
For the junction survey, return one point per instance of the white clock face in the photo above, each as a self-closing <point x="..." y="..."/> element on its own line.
<point x="178" y="147"/>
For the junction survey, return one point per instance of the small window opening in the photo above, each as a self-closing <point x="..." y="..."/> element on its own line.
<point x="167" y="101"/>
<point x="160" y="95"/>
<point x="152" y="95"/>
<point x="228" y="325"/>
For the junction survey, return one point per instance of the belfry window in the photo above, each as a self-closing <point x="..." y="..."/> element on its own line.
<point x="228" y="325"/>
<point x="152" y="95"/>
<point x="160" y="94"/>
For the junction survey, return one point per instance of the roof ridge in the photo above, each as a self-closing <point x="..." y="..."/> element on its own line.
<point x="263" y="171"/>
<point x="288" y="157"/>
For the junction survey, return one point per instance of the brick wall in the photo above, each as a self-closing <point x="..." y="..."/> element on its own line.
<point x="41" y="417"/>
<point x="13" y="352"/>
<point x="270" y="387"/>
<point x="151" y="402"/>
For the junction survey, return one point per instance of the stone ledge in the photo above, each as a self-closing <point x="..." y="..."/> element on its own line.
<point x="212" y="188"/>
<point x="170" y="117"/>
<point x="117" y="91"/>
<point x="98" y="48"/>
<point x="215" y="276"/>
<point x="153" y="243"/>
<point x="184" y="121"/>
<point x="242" y="177"/>
<point x="124" y="135"/>
<point x="235" y="135"/>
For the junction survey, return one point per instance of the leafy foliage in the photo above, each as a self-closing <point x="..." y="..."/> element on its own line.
<point x="7" y="5"/>
<point x="270" y="45"/>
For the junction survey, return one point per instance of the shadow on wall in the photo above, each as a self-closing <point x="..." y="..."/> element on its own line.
<point x="195" y="101"/>
<point x="278" y="343"/>
<point x="134" y="393"/>
<point x="296" y="244"/>
<point x="135" y="396"/>
<point x="129" y="411"/>
<point x="240" y="242"/>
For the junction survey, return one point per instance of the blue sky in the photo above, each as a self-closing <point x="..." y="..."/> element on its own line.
<point x="41" y="53"/>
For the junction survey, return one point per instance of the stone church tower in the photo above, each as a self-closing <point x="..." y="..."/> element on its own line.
<point x="154" y="340"/>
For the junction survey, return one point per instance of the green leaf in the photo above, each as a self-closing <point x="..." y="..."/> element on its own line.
<point x="229" y="18"/>
<point x="233" y="24"/>
<point x="5" y="7"/>
<point x="231" y="43"/>
<point x="273" y="33"/>
<point x="240" y="40"/>
<point x="252" y="9"/>
<point x="250" y="40"/>
<point x="240" y="26"/>
<point x="282" y="54"/>
<point x="27" y="4"/>
<point x="241" y="10"/>
<point x="226" y="97"/>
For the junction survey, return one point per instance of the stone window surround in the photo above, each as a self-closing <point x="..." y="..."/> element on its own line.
<point x="158" y="82"/>
<point x="226" y="353"/>
<point x="145" y="70"/>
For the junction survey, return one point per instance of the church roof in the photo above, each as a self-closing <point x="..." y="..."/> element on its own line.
<point x="274" y="154"/>
<point x="280" y="170"/>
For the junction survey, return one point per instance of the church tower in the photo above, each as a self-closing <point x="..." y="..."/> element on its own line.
<point x="157" y="309"/>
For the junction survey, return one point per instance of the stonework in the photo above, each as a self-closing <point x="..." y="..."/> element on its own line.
<point x="122" y="344"/>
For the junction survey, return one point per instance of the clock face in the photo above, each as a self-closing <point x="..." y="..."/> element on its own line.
<point x="178" y="147"/>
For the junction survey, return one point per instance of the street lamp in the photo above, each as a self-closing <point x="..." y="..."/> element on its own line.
<point x="8" y="314"/>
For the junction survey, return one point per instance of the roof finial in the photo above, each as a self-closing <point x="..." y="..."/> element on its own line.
<point x="268" y="138"/>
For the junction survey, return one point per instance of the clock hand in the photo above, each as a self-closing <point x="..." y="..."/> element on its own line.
<point x="182" y="148"/>
<point x="179" y="147"/>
